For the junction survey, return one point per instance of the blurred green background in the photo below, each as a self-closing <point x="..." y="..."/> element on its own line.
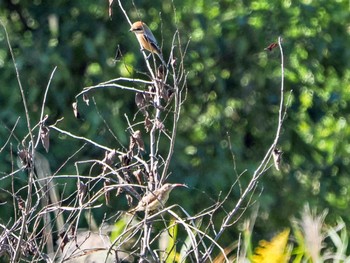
<point x="233" y="94"/>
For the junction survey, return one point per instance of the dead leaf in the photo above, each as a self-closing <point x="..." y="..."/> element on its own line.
<point x="26" y="158"/>
<point x="119" y="191"/>
<point x="129" y="199"/>
<point x="148" y="124"/>
<point x="109" y="159"/>
<point x="110" y="10"/>
<point x="21" y="203"/>
<point x="271" y="46"/>
<point x="86" y="99"/>
<point x="64" y="236"/>
<point x="82" y="190"/>
<point x="173" y="62"/>
<point x="159" y="125"/>
<point x="118" y="54"/>
<point x="45" y="138"/>
<point x="75" y="110"/>
<point x="140" y="101"/>
<point x="124" y="159"/>
<point x="137" y="139"/>
<point x="138" y="175"/>
<point x="277" y="158"/>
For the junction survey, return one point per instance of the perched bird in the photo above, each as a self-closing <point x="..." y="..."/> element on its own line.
<point x="146" y="39"/>
<point x="155" y="199"/>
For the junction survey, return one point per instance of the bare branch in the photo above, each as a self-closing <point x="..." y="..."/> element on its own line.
<point x="260" y="169"/>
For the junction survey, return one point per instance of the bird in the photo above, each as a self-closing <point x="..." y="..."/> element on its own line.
<point x="146" y="39"/>
<point x="155" y="200"/>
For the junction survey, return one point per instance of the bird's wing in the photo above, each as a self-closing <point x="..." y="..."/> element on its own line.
<point x="152" y="40"/>
<point x="149" y="197"/>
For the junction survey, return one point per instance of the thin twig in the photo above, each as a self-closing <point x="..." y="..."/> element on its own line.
<point x="114" y="85"/>
<point x="176" y="116"/>
<point x="11" y="132"/>
<point x="43" y="105"/>
<point x="28" y="203"/>
<point x="259" y="170"/>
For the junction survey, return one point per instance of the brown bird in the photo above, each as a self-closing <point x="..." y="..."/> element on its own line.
<point x="146" y="39"/>
<point x="156" y="199"/>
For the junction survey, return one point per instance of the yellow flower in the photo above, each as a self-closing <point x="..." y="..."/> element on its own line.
<point x="275" y="251"/>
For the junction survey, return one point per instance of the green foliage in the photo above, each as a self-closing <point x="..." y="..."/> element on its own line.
<point x="232" y="98"/>
<point x="118" y="228"/>
<point x="169" y="239"/>
<point x="310" y="240"/>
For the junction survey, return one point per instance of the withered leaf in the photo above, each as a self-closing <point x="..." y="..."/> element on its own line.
<point x="140" y="101"/>
<point x="86" y="99"/>
<point x="159" y="125"/>
<point x="271" y="46"/>
<point x="160" y="72"/>
<point x="171" y="93"/>
<point x="108" y="159"/>
<point x="277" y="158"/>
<point x="129" y="199"/>
<point x="75" y="110"/>
<point x="148" y="124"/>
<point x="119" y="191"/>
<point x="164" y="93"/>
<point x="150" y="96"/>
<point x="137" y="137"/>
<point x="124" y="159"/>
<point x="138" y="175"/>
<point x="110" y="10"/>
<point x="26" y="158"/>
<point x="173" y="62"/>
<point x="45" y="138"/>
<point x="82" y="190"/>
<point x="132" y="143"/>
<point x="21" y="203"/>
<point x="64" y="236"/>
<point x="118" y="54"/>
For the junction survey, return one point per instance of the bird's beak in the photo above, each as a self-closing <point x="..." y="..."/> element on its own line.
<point x="183" y="185"/>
